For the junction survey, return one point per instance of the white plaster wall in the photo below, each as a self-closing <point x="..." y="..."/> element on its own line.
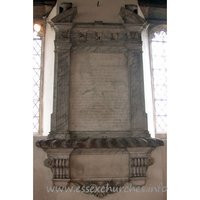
<point x="156" y="175"/>
<point x="108" y="11"/>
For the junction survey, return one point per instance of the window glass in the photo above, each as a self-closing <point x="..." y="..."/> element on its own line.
<point x="159" y="71"/>
<point x="36" y="80"/>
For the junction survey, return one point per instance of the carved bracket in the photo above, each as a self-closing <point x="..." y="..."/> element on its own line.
<point x="138" y="150"/>
<point x="58" y="162"/>
<point x="59" y="167"/>
<point x="140" y="160"/>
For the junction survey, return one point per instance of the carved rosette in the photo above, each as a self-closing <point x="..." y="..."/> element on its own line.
<point x="99" y="36"/>
<point x="65" y="34"/>
<point x="82" y="36"/>
<point x="114" y="36"/>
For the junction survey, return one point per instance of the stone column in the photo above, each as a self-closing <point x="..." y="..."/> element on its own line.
<point x="138" y="117"/>
<point x="62" y="108"/>
<point x="60" y="116"/>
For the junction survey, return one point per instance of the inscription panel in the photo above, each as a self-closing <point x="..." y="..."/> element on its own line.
<point x="99" y="95"/>
<point x="99" y="166"/>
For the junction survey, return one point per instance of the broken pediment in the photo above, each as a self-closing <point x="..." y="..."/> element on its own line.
<point x="129" y="16"/>
<point x="66" y="16"/>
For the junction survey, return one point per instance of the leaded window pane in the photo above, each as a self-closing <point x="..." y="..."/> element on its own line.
<point x="159" y="70"/>
<point x="36" y="80"/>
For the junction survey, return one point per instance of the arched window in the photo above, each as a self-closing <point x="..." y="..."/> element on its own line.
<point x="158" y="53"/>
<point x="37" y="46"/>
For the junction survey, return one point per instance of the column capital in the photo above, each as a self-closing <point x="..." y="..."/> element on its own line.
<point x="134" y="47"/>
<point x="61" y="45"/>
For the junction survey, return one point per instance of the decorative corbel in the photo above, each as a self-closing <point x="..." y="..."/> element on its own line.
<point x="58" y="162"/>
<point x="140" y="160"/>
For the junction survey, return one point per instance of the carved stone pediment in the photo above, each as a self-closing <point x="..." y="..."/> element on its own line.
<point x="129" y="16"/>
<point x="66" y="16"/>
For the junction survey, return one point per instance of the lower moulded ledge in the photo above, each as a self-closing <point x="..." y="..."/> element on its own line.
<point x="137" y="181"/>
